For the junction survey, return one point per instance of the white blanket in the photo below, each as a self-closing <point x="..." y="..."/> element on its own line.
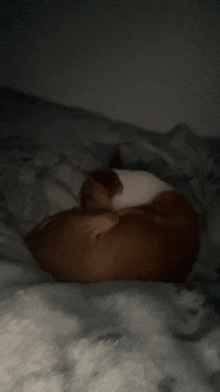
<point x="115" y="336"/>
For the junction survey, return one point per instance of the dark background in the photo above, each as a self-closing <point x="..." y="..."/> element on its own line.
<point x="151" y="63"/>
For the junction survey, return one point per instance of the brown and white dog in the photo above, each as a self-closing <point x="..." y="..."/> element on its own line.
<point x="117" y="189"/>
<point x="130" y="225"/>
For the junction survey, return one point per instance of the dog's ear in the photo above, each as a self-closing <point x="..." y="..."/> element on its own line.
<point x="92" y="194"/>
<point x="103" y="177"/>
<point x="115" y="161"/>
<point x="108" y="180"/>
<point x="101" y="223"/>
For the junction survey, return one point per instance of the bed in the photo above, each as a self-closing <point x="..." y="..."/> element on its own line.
<point x="112" y="336"/>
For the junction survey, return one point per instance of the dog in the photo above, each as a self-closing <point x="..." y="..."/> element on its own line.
<point x="114" y="189"/>
<point x="129" y="225"/>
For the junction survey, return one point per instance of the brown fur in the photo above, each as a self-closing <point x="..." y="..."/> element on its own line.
<point x="99" y="189"/>
<point x="158" y="241"/>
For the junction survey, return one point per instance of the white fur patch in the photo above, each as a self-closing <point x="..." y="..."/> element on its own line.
<point x="139" y="187"/>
